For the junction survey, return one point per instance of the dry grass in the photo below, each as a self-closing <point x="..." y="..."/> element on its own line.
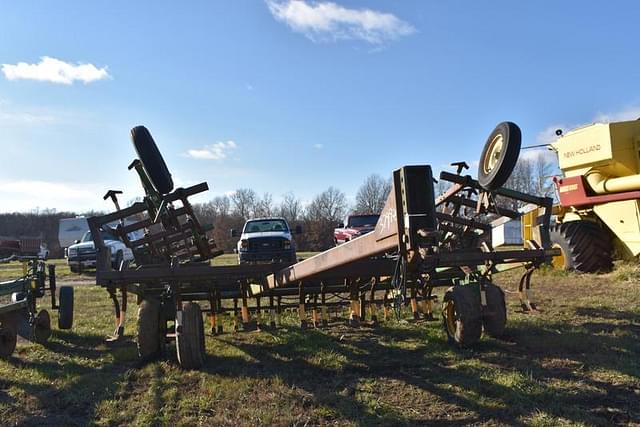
<point x="574" y="363"/>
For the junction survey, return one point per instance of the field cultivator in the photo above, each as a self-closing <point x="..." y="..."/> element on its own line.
<point x="19" y="314"/>
<point x="419" y="243"/>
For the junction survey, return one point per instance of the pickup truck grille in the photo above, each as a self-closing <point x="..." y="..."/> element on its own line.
<point x="86" y="251"/>
<point x="266" y="243"/>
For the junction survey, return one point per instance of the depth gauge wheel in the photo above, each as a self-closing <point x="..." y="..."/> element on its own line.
<point x="42" y="327"/>
<point x="190" y="339"/>
<point x="584" y="246"/>
<point x="499" y="156"/>
<point x="151" y="159"/>
<point x="461" y="315"/>
<point x="8" y="337"/>
<point x="494" y="315"/>
<point x="149" y="331"/>
<point x="65" y="307"/>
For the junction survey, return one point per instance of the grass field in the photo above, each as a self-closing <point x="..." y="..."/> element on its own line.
<point x="577" y="362"/>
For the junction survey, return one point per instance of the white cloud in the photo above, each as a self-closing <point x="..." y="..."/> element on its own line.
<point x="25" y="118"/>
<point x="548" y="135"/>
<point x="326" y="21"/>
<point x="629" y="113"/>
<point x="55" y="71"/>
<point x="318" y="146"/>
<point x="217" y="151"/>
<point x="26" y="195"/>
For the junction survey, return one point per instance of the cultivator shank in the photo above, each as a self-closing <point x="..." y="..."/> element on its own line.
<point x="420" y="242"/>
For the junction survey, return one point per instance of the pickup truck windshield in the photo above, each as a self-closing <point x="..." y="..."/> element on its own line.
<point x="261" y="226"/>
<point x="105" y="236"/>
<point x="361" y="221"/>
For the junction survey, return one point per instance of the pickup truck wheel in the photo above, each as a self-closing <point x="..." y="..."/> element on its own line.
<point x="74" y="269"/>
<point x="499" y="156"/>
<point x="189" y="341"/>
<point x="65" y="309"/>
<point x="118" y="261"/>
<point x="152" y="160"/>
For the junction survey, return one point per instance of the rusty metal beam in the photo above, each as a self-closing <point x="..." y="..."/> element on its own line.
<point x="408" y="215"/>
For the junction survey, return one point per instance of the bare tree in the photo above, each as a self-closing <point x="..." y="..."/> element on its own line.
<point x="290" y="208"/>
<point x="372" y="195"/>
<point x="531" y="176"/>
<point x="264" y="206"/>
<point x="221" y="205"/>
<point x="330" y="205"/>
<point x="244" y="202"/>
<point x="322" y="214"/>
<point x="441" y="187"/>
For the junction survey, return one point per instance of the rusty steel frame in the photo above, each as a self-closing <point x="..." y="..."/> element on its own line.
<point x="412" y="240"/>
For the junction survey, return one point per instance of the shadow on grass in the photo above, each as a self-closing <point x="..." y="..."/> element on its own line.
<point x="528" y="385"/>
<point x="64" y="391"/>
<point x="506" y="382"/>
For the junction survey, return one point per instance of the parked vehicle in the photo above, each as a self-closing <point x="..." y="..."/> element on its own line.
<point x="599" y="197"/>
<point x="23" y="246"/>
<point x="266" y="240"/>
<point x="82" y="254"/>
<point x="71" y="229"/>
<point x="354" y="226"/>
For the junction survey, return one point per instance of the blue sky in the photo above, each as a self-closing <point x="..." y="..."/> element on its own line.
<point x="294" y="96"/>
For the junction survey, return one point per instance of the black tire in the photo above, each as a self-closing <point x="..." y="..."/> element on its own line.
<point x="42" y="327"/>
<point x="190" y="340"/>
<point x="118" y="261"/>
<point x="494" y="315"/>
<point x="8" y="338"/>
<point x="18" y="296"/>
<point x="149" y="329"/>
<point x="461" y="315"/>
<point x="496" y="164"/>
<point x="586" y="247"/>
<point x="152" y="160"/>
<point x="65" y="307"/>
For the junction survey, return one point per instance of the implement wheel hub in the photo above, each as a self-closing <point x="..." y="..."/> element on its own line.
<point x="495" y="150"/>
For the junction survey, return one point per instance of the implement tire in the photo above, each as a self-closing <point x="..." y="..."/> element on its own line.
<point x="462" y="315"/>
<point x="149" y="330"/>
<point x="152" y="160"/>
<point x="8" y="336"/>
<point x="499" y="156"/>
<point x="65" y="307"/>
<point x="494" y="315"/>
<point x="190" y="339"/>
<point x="42" y="327"/>
<point x="585" y="247"/>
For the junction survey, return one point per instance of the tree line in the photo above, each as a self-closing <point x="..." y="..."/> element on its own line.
<point x="317" y="218"/>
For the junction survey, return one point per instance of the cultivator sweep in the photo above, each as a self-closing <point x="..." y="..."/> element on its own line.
<point x="19" y="315"/>
<point x="419" y="243"/>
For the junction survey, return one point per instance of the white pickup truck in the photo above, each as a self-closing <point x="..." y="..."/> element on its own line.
<point x="266" y="240"/>
<point x="82" y="254"/>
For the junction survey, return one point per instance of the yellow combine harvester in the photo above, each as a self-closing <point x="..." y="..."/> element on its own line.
<point x="599" y="196"/>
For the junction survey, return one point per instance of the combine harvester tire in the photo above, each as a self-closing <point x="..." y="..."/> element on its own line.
<point x="585" y="246"/>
